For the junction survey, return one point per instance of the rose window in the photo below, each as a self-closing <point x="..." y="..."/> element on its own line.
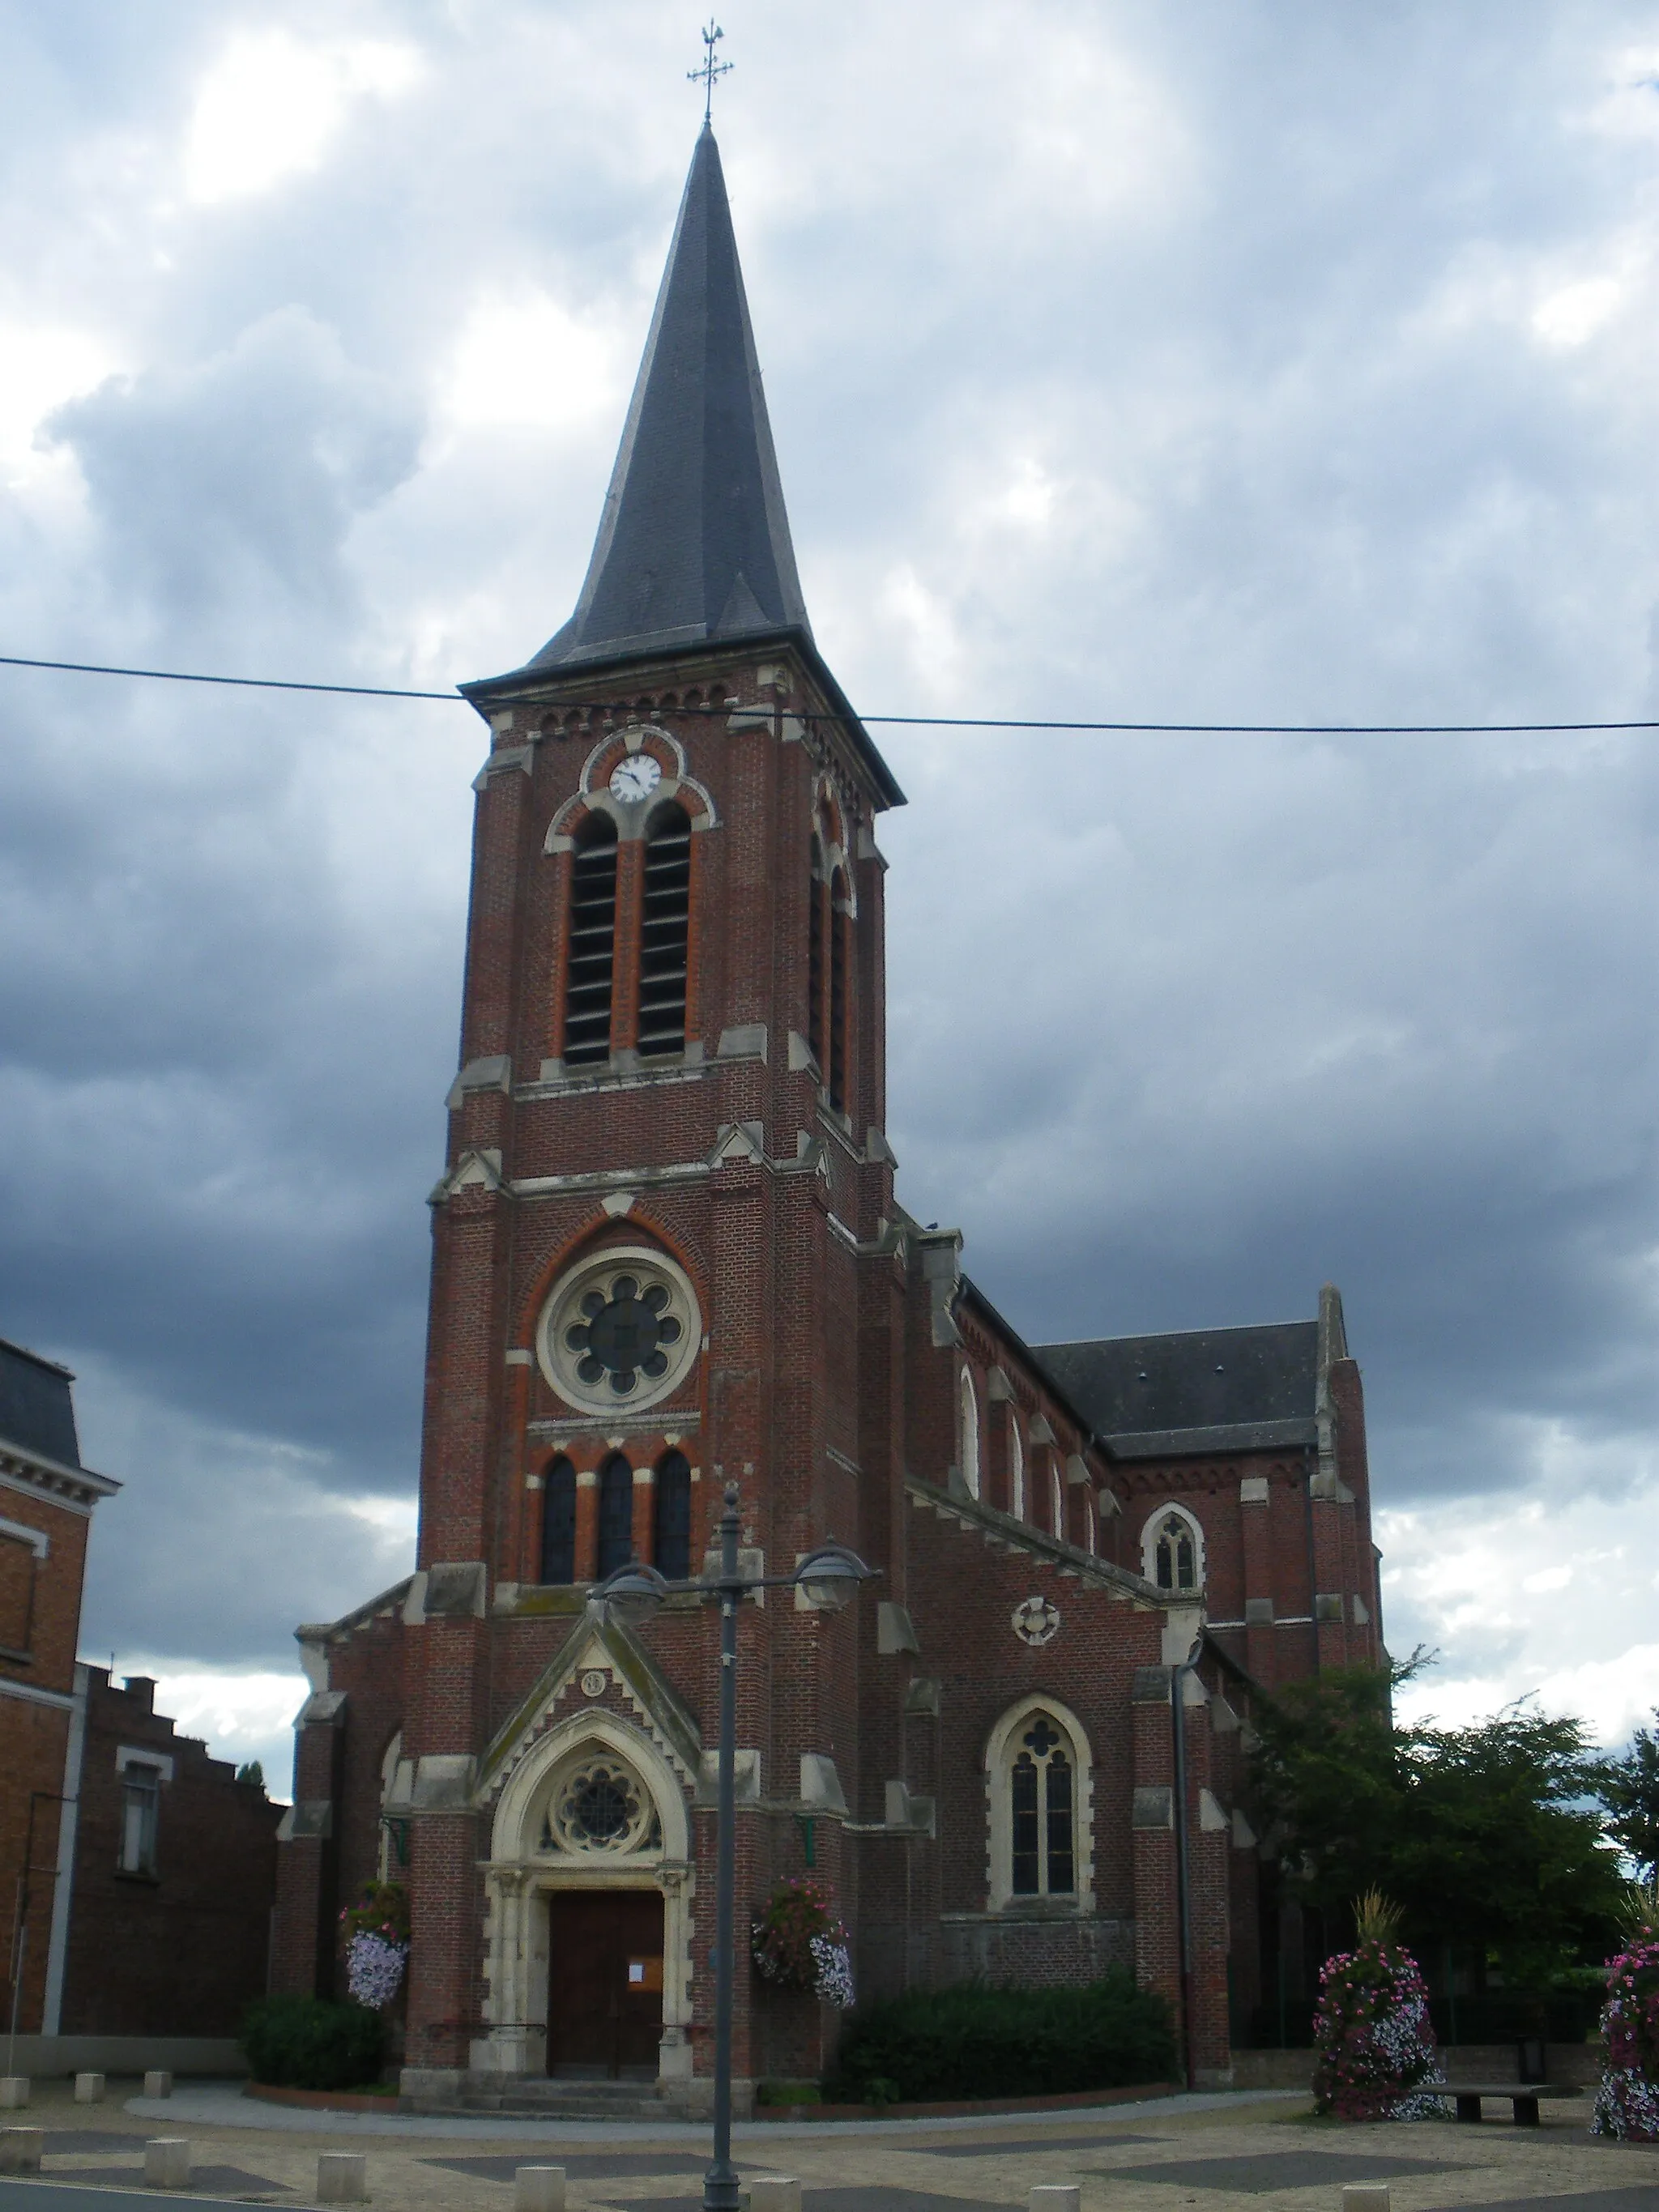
<point x="624" y="1336"/>
<point x="622" y="1329"/>
<point x="599" y="1805"/>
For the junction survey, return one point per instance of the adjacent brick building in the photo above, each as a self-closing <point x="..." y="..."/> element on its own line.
<point x="137" y="1874"/>
<point x="669" y="1255"/>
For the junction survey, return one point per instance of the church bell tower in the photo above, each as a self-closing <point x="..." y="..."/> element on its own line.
<point x="664" y="1253"/>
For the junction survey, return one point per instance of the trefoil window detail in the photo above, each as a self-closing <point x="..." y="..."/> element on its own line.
<point x="1173" y="1552"/>
<point x="592" y="959"/>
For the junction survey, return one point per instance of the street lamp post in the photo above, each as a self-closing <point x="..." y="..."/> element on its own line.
<point x="830" y="1577"/>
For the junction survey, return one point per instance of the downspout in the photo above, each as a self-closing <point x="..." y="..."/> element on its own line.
<point x="1183" y="1884"/>
<point x="62" y="1896"/>
<point x="1312" y="1572"/>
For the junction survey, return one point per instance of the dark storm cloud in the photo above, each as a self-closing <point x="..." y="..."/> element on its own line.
<point x="1203" y="362"/>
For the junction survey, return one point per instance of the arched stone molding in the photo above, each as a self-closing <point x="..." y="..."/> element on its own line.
<point x="1002" y="1749"/>
<point x="520" y="1876"/>
<point x="1156" y="1521"/>
<point x="630" y="817"/>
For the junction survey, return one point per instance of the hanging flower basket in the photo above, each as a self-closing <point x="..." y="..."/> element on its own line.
<point x="375" y="1936"/>
<point x="1377" y="2056"/>
<point x="1628" y="2102"/>
<point x="798" y="1943"/>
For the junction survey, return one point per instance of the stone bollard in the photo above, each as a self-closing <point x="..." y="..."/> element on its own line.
<point x="20" y="2149"/>
<point x="158" y="2083"/>
<point x="773" y="2192"/>
<point x="1054" y="2197"/>
<point x="1364" y="2197"/>
<point x="166" y="2162"/>
<point x="88" y="2088"/>
<point x="13" y="2091"/>
<point x="538" y="2189"/>
<point x="341" y="2177"/>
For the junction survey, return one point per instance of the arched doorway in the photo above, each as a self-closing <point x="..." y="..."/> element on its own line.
<point x="589" y="1937"/>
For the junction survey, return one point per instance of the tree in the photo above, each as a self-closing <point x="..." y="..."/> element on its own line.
<point x="1629" y="1788"/>
<point x="252" y="1772"/>
<point x="1488" y="1836"/>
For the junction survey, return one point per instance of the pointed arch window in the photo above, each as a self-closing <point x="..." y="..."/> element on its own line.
<point x="590" y="970"/>
<point x="1172" y="1551"/>
<point x="665" y="930"/>
<point x="969" y="1435"/>
<point x="1056" y="1502"/>
<point x="615" y="1515"/>
<point x="559" y="1522"/>
<point x="1041" y="1789"/>
<point x="815" y="901"/>
<point x="1016" y="1468"/>
<point x="670" y="1536"/>
<point x="840" y="923"/>
<point x="1042" y="1806"/>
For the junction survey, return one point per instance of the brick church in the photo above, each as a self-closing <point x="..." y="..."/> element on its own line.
<point x="669" y="1255"/>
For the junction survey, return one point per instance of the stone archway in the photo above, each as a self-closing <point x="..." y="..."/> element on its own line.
<point x="539" y="1851"/>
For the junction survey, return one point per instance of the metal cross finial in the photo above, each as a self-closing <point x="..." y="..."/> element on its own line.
<point x="711" y="71"/>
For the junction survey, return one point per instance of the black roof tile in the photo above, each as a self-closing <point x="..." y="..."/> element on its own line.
<point x="1195" y="1390"/>
<point x="37" y="1414"/>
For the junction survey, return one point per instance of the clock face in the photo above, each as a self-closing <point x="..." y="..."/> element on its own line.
<point x="634" y="778"/>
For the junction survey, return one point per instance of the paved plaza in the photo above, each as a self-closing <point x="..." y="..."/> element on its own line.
<point x="1263" y="2150"/>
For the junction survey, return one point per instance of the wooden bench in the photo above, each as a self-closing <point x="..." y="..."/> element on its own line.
<point x="1523" y="2095"/>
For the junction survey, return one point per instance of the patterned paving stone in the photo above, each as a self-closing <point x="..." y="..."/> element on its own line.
<point x="1260" y="2171"/>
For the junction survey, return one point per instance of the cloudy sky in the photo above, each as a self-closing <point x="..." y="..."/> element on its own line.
<point x="1180" y="360"/>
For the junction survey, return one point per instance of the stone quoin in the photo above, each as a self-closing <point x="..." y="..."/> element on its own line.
<point x="668" y="1255"/>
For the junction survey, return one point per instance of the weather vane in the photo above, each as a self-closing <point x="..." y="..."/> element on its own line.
<point x="711" y="71"/>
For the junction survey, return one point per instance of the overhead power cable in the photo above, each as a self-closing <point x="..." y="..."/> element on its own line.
<point x="888" y="721"/>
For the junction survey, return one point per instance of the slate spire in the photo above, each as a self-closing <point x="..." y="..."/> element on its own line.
<point x="693" y="542"/>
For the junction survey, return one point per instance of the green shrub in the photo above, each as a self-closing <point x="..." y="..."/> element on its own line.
<point x="307" y="2043"/>
<point x="975" y="2040"/>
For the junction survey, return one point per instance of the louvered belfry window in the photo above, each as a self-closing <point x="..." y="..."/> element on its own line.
<point x="665" y="930"/>
<point x="592" y="943"/>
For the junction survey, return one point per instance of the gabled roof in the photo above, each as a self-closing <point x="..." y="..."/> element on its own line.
<point x="694" y="543"/>
<point x="1205" y="1389"/>
<point x="37" y="1413"/>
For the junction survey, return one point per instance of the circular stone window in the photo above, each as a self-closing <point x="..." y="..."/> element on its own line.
<point x="622" y="1329"/>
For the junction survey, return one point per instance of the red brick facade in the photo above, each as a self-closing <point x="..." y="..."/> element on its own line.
<point x="830" y="1387"/>
<point x="667" y="1238"/>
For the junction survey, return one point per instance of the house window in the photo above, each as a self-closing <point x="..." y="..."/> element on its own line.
<point x="671" y="1544"/>
<point x="665" y="930"/>
<point x="593" y="955"/>
<point x="559" y="1522"/>
<point x="1056" y="1502"/>
<point x="615" y="1515"/>
<point x="140" y="1800"/>
<point x="1016" y="1470"/>
<point x="1173" y="1550"/>
<point x="1038" y="1771"/>
<point x="18" y="1555"/>
<point x="969" y="1435"/>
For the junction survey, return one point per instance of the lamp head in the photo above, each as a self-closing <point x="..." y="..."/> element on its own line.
<point x="830" y="1576"/>
<point x="633" y="1593"/>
